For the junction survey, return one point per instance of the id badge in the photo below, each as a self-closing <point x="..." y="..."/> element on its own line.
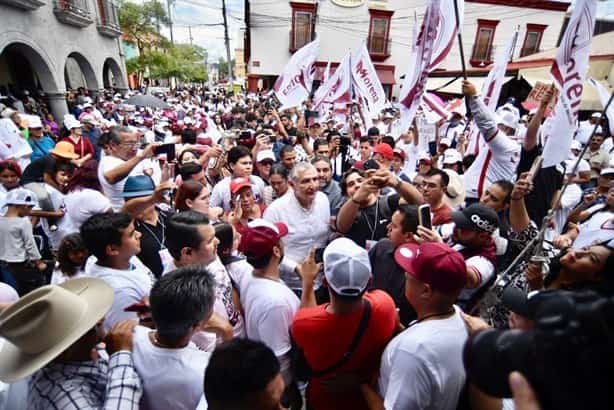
<point x="369" y="244"/>
<point x="165" y="258"/>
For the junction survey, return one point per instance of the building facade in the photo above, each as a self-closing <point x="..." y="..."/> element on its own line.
<point x="274" y="30"/>
<point x="42" y="42"/>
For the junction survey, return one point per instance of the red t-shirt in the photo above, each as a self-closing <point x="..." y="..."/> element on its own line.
<point x="442" y="215"/>
<point x="83" y="147"/>
<point x="325" y="338"/>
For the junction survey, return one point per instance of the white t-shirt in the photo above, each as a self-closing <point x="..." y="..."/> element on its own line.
<point x="241" y="273"/>
<point x="129" y="286"/>
<point x="80" y="205"/>
<point x="112" y="191"/>
<point x="422" y="368"/>
<point x="57" y="200"/>
<point x="597" y="229"/>
<point x="496" y="160"/>
<point x="172" y="378"/>
<point x="220" y="195"/>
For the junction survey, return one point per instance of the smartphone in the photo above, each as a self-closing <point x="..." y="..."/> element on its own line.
<point x="424" y="216"/>
<point x="319" y="256"/>
<point x="139" y="307"/>
<point x="168" y="149"/>
<point x="370" y="164"/>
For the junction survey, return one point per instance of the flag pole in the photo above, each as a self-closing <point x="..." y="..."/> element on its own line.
<point x="460" y="39"/>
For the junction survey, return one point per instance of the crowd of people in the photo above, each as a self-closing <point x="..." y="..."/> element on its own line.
<point x="234" y="256"/>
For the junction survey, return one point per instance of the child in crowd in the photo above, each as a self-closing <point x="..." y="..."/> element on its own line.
<point x="72" y="255"/>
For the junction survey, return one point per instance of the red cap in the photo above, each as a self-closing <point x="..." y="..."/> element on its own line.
<point x="239" y="183"/>
<point x="384" y="150"/>
<point x="399" y="152"/>
<point x="433" y="263"/>
<point x="260" y="236"/>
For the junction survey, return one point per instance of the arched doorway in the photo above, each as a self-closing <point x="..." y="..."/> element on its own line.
<point x="112" y="75"/>
<point x="78" y="72"/>
<point x="23" y="68"/>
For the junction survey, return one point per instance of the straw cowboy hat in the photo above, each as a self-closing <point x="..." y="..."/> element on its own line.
<point x="45" y="322"/>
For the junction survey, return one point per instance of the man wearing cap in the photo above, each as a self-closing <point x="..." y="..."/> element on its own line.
<point x="451" y="129"/>
<point x="499" y="157"/>
<point x="268" y="303"/>
<point x="41" y="144"/>
<point x="92" y="132"/>
<point x="596" y="157"/>
<point x="347" y="272"/>
<point x="58" y="353"/>
<point x="123" y="158"/>
<point x="398" y="164"/>
<point x="451" y="159"/>
<point x="383" y="155"/>
<point x="422" y="368"/>
<point x="585" y="128"/>
<point x="264" y="161"/>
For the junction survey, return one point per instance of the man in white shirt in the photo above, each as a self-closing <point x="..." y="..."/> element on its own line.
<point x="114" y="169"/>
<point x="306" y="212"/>
<point x="498" y="158"/>
<point x="430" y="351"/>
<point x="171" y="366"/>
<point x="113" y="242"/>
<point x="268" y="303"/>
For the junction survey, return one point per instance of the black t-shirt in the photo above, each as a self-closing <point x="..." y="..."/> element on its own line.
<point x="545" y="184"/>
<point x="152" y="241"/>
<point x="34" y="172"/>
<point x="371" y="222"/>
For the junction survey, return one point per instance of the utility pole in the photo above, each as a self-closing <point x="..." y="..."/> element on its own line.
<point x="190" y="33"/>
<point x="227" y="41"/>
<point x="169" y="4"/>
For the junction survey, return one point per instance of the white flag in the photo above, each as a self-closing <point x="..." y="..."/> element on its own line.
<point x="491" y="89"/>
<point x="326" y="72"/>
<point x="294" y="84"/>
<point x="367" y="86"/>
<point x="430" y="49"/>
<point x="604" y="97"/>
<point x="568" y="72"/>
<point x="337" y="88"/>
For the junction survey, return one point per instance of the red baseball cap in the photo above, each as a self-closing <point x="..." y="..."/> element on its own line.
<point x="384" y="150"/>
<point x="239" y="183"/>
<point x="260" y="236"/>
<point x="435" y="263"/>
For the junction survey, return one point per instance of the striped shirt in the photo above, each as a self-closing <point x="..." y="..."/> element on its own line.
<point x="108" y="385"/>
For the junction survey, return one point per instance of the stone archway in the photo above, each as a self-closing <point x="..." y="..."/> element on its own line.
<point x="78" y="72"/>
<point x="112" y="75"/>
<point x="24" y="68"/>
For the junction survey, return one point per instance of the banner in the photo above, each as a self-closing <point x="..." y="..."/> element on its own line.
<point x="433" y="44"/>
<point x="326" y="72"/>
<point x="367" y="86"/>
<point x="535" y="96"/>
<point x="434" y="108"/>
<point x="604" y="97"/>
<point x="337" y="88"/>
<point x="294" y="84"/>
<point x="568" y="72"/>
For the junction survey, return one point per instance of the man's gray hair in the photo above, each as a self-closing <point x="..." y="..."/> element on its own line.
<point x="299" y="169"/>
<point x="115" y="133"/>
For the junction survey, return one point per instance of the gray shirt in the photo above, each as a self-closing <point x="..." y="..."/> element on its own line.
<point x="335" y="198"/>
<point x="17" y="244"/>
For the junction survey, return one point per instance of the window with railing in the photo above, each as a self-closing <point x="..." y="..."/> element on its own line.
<point x="303" y="24"/>
<point x="73" y="12"/>
<point x="532" y="39"/>
<point x="482" y="53"/>
<point x="378" y="41"/>
<point x="75" y="6"/>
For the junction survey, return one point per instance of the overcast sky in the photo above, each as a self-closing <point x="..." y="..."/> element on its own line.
<point x="198" y="12"/>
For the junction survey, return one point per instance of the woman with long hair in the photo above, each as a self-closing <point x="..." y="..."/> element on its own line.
<point x="192" y="195"/>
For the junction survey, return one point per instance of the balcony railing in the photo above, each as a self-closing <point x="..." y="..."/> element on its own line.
<point x="73" y="12"/>
<point x="23" y="4"/>
<point x="480" y="58"/>
<point x="379" y="49"/>
<point x="108" y="22"/>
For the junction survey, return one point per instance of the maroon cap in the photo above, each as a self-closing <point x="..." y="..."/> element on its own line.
<point x="384" y="150"/>
<point x="399" y="152"/>
<point x="434" y="263"/>
<point x="238" y="183"/>
<point x="260" y="236"/>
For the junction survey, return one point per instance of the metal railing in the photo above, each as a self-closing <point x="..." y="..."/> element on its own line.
<point x="78" y="7"/>
<point x="379" y="46"/>
<point x="107" y="14"/>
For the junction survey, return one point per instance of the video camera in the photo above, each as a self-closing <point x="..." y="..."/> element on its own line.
<point x="567" y="358"/>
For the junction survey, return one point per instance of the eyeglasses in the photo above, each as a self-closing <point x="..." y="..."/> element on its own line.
<point x="130" y="143"/>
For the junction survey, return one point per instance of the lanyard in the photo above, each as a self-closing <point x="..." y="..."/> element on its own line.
<point x="374" y="227"/>
<point x="415" y="322"/>
<point x="160" y="242"/>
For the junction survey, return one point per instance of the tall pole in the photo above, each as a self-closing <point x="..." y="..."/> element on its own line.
<point x="227" y="41"/>
<point x="169" y="4"/>
<point x="190" y="33"/>
<point x="460" y="39"/>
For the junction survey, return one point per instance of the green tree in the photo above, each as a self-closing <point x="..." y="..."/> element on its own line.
<point x="139" y="23"/>
<point x="223" y="66"/>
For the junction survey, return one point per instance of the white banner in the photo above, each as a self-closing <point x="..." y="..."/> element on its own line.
<point x="604" y="97"/>
<point x="294" y="84"/>
<point x="326" y="75"/>
<point x="568" y="72"/>
<point x="367" y="86"/>
<point x="337" y="88"/>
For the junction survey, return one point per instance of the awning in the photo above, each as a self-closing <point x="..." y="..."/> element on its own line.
<point x="452" y="85"/>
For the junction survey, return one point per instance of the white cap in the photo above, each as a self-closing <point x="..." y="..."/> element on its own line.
<point x="423" y="155"/>
<point x="599" y="130"/>
<point x="347" y="267"/>
<point x="604" y="171"/>
<point x="576" y="145"/>
<point x="509" y="120"/>
<point x="71" y="122"/>
<point x="89" y="118"/>
<point x="34" y="121"/>
<point x="21" y="196"/>
<point x="265" y="154"/>
<point x="596" y="115"/>
<point x="445" y="141"/>
<point x="451" y="156"/>
<point x="7" y="112"/>
<point x="188" y="121"/>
